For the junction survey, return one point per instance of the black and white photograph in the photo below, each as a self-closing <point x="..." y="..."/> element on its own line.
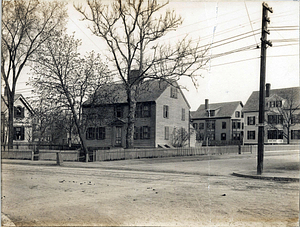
<point x="150" y="113"/>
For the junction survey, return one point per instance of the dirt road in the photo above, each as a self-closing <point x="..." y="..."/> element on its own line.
<point x="153" y="193"/>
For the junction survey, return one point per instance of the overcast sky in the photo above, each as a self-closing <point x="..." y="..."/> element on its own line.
<point x="234" y="76"/>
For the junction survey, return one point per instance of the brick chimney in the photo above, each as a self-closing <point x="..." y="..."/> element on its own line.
<point x="206" y="104"/>
<point x="268" y="87"/>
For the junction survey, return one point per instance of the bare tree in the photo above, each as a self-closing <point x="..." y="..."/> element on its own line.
<point x="281" y="114"/>
<point x="67" y="79"/>
<point x="132" y="31"/>
<point x="48" y="121"/>
<point x="180" y="137"/>
<point x="26" y="24"/>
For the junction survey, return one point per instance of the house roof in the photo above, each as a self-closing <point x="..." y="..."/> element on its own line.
<point x="4" y="104"/>
<point x="252" y="104"/>
<point x="224" y="109"/>
<point x="115" y="93"/>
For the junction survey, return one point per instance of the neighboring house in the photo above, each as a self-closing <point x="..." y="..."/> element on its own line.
<point x="161" y="109"/>
<point x="218" y="123"/>
<point x="22" y="120"/>
<point x="282" y="116"/>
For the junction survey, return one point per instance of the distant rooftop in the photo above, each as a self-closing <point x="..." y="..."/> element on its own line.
<point x="252" y="104"/>
<point x="224" y="109"/>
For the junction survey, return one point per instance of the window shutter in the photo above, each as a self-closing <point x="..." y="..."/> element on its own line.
<point x="22" y="133"/>
<point x="15" y="111"/>
<point x="103" y="133"/>
<point x="141" y="132"/>
<point x="148" y="132"/>
<point x="15" y="133"/>
<point x="22" y="112"/>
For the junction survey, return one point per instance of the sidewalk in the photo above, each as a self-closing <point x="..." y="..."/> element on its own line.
<point x="281" y="166"/>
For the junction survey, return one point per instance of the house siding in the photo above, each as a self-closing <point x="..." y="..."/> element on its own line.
<point x="251" y="108"/>
<point x="216" y="134"/>
<point x="175" y="116"/>
<point x="24" y="122"/>
<point x="106" y="118"/>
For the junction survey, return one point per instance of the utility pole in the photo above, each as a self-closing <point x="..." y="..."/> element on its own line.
<point x="261" y="115"/>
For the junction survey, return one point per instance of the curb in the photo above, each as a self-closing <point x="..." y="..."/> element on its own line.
<point x="290" y="179"/>
<point x="5" y="221"/>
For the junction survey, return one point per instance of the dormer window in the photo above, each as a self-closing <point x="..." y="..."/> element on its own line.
<point x="210" y="113"/>
<point x="272" y="104"/>
<point x="19" y="112"/>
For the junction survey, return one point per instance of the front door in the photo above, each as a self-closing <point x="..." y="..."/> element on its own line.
<point x="118" y="139"/>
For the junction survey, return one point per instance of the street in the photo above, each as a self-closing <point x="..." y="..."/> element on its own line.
<point x="194" y="191"/>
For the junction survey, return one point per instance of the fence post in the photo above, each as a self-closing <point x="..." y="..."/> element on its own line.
<point x="32" y="155"/>
<point x="59" y="159"/>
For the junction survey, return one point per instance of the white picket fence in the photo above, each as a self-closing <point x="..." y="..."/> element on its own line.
<point x="119" y="154"/>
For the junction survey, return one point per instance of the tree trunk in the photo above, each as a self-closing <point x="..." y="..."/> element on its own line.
<point x="131" y="112"/>
<point x="288" y="135"/>
<point x="10" y="101"/>
<point x="81" y="136"/>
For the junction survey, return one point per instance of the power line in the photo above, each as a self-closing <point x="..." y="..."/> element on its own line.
<point x="227" y="63"/>
<point x="250" y="21"/>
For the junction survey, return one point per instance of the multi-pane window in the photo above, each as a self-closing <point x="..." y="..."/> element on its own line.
<point x="166" y="111"/>
<point x="146" y="132"/>
<point x="183" y="114"/>
<point x="167" y="133"/>
<point x="295" y="134"/>
<point x="174" y="92"/>
<point x="236" y="136"/>
<point x="93" y="133"/>
<point x="234" y="125"/>
<point x="201" y="125"/>
<point x="90" y="133"/>
<point x="146" y="110"/>
<point x="251" y="120"/>
<point x="211" y="135"/>
<point x="223" y="125"/>
<point x="195" y="126"/>
<point x="223" y="136"/>
<point x="275" y="119"/>
<point x="278" y="103"/>
<point x="199" y="136"/>
<point x="275" y="134"/>
<point x="136" y="133"/>
<point x="237" y="113"/>
<point x="19" y="112"/>
<point x="251" y="135"/>
<point x="19" y="133"/>
<point x="142" y="110"/>
<point x="210" y="113"/>
<point x="119" y="111"/>
<point x="210" y="125"/>
<point x="272" y="104"/>
<point x="295" y="119"/>
<point x="142" y="132"/>
<point x="100" y="133"/>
